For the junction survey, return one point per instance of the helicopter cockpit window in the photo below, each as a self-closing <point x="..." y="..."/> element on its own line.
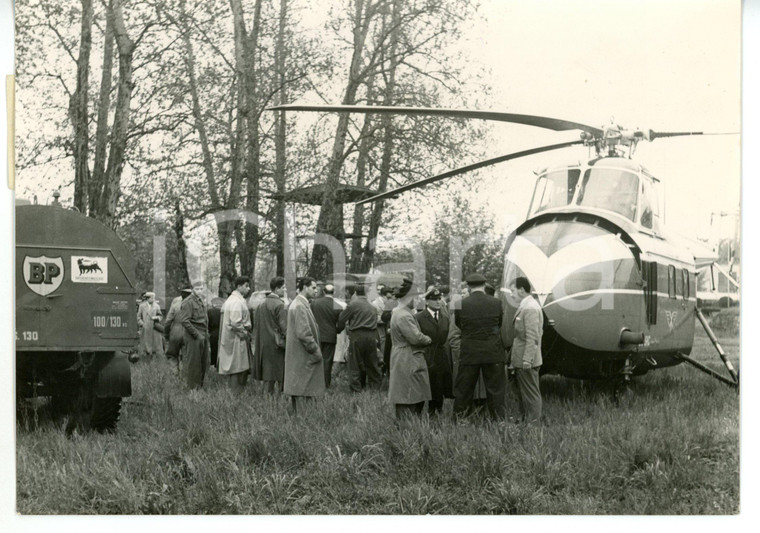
<point x="649" y="215"/>
<point x="610" y="189"/>
<point x="555" y="189"/>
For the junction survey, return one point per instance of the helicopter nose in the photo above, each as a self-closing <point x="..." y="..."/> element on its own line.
<point x="558" y="272"/>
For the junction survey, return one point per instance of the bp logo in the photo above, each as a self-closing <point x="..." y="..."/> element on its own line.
<point x="43" y="274"/>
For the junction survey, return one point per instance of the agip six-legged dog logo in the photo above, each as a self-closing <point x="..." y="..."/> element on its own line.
<point x="88" y="269"/>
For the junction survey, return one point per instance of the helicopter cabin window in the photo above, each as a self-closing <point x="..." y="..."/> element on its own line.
<point x="671" y="281"/>
<point x="685" y="283"/>
<point x="649" y="216"/>
<point x="555" y="189"/>
<point x="610" y="189"/>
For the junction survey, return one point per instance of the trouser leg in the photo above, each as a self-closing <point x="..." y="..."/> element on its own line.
<point x="328" y="355"/>
<point x="405" y="410"/>
<point x="195" y="360"/>
<point x="495" y="380"/>
<point x="464" y="387"/>
<point x="436" y="376"/>
<point x="238" y="381"/>
<point x="529" y="395"/>
<point x="354" y="369"/>
<point x="365" y="346"/>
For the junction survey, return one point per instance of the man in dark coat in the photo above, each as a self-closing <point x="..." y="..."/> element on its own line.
<point x="326" y="312"/>
<point x="270" y="329"/>
<point x="214" y="319"/>
<point x="361" y="319"/>
<point x="481" y="350"/>
<point x="193" y="316"/>
<point x="435" y="324"/>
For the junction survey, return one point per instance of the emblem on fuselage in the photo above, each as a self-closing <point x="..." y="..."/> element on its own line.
<point x="43" y="275"/>
<point x="671" y="317"/>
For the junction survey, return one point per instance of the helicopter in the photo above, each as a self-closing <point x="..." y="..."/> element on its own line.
<point x="618" y="293"/>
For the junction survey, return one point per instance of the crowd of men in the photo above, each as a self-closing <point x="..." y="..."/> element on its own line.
<point x="426" y="348"/>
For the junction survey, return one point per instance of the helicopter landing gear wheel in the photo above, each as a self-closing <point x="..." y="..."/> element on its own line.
<point x="622" y="392"/>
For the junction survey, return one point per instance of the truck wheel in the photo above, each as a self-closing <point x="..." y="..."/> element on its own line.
<point x="88" y="412"/>
<point x="105" y="414"/>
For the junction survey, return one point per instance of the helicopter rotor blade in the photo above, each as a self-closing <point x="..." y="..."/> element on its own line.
<point x="656" y="134"/>
<point x="528" y="120"/>
<point x="465" y="169"/>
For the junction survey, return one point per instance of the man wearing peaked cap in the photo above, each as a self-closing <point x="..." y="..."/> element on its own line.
<point x="435" y="324"/>
<point x="481" y="350"/>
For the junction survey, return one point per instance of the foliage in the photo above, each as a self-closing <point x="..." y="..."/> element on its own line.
<point x="673" y="449"/>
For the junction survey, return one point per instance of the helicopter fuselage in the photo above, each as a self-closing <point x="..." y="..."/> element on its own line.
<point x="618" y="296"/>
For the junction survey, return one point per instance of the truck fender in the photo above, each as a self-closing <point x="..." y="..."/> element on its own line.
<point x="115" y="377"/>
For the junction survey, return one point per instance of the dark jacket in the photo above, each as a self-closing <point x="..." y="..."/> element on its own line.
<point x="326" y="312"/>
<point x="193" y="316"/>
<point x="479" y="320"/>
<point x="360" y="314"/>
<point x="436" y="356"/>
<point x="268" y="359"/>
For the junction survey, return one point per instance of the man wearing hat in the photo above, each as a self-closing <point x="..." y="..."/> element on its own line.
<point x="174" y="331"/>
<point x="194" y="319"/>
<point x="149" y="319"/>
<point x="409" y="384"/>
<point x="435" y="324"/>
<point x="481" y="350"/>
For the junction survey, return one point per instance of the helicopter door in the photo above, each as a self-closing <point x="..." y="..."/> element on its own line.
<point x="649" y="275"/>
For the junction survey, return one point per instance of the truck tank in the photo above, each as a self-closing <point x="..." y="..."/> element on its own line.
<point x="75" y="314"/>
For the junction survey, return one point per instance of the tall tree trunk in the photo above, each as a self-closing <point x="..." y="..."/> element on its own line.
<point x="224" y="228"/>
<point x="246" y="45"/>
<point x="280" y="145"/>
<point x="386" y="122"/>
<point x="365" y="142"/>
<point x="112" y="186"/>
<point x="104" y="102"/>
<point x="78" y="111"/>
<point x="179" y="232"/>
<point x="330" y="220"/>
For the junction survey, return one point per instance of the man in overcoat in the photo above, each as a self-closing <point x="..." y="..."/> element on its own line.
<point x="525" y="356"/>
<point x="326" y="312"/>
<point x="193" y="316"/>
<point x="409" y="384"/>
<point x="435" y="324"/>
<point x="270" y="329"/>
<point x="234" y="336"/>
<point x="360" y="318"/>
<point x="481" y="350"/>
<point x="304" y="367"/>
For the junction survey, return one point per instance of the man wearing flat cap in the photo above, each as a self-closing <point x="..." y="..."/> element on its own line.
<point x="409" y="384"/>
<point x="435" y="324"/>
<point x="193" y="316"/>
<point x="174" y="331"/>
<point x="481" y="350"/>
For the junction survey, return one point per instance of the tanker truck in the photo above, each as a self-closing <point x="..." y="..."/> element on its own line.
<point x="75" y="315"/>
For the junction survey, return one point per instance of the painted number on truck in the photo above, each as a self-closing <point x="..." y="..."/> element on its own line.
<point x="30" y="336"/>
<point x="110" y="320"/>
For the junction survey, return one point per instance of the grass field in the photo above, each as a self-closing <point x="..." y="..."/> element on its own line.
<point x="673" y="448"/>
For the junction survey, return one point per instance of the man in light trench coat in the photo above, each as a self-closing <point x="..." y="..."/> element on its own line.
<point x="234" y="336"/>
<point x="304" y="367"/>
<point x="409" y="383"/>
